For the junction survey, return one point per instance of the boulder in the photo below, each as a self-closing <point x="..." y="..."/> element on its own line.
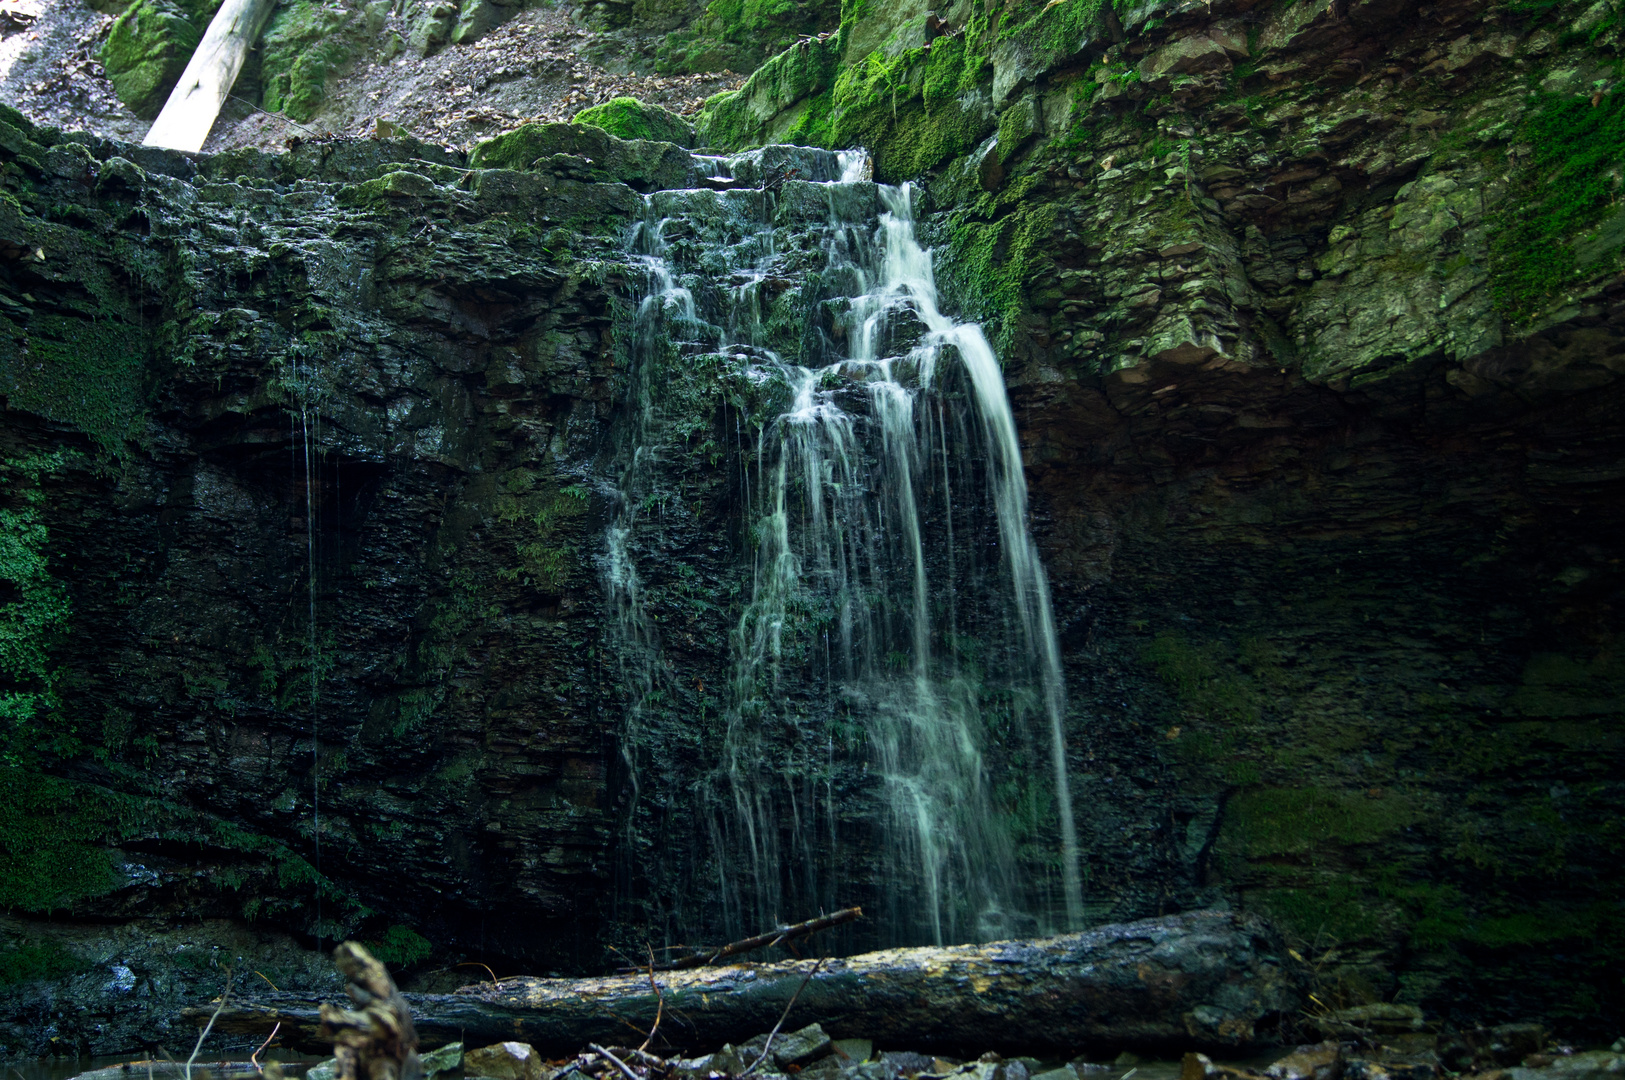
<point x="801" y="1047"/>
<point x="146" y="51"/>
<point x="445" y="1059"/>
<point x="629" y="118"/>
<point x="505" y="1061"/>
<point x="1321" y="1061"/>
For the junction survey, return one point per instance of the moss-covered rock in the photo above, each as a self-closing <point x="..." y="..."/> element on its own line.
<point x="432" y="23"/>
<point x="305" y="43"/>
<point x="148" y="48"/>
<point x="478" y="18"/>
<point x="786" y="100"/>
<point x="586" y="152"/>
<point x="913" y="110"/>
<point x="629" y="118"/>
<point x="738" y="35"/>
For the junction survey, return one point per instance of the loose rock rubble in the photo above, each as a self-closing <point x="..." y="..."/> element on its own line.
<point x="541" y="66"/>
<point x="1391" y="1044"/>
<point x="1385" y="1049"/>
<point x="538" y="67"/>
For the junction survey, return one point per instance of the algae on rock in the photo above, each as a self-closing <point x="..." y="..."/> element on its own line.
<point x="148" y="48"/>
<point x="305" y="44"/>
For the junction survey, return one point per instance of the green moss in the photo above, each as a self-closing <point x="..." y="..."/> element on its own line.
<point x="380" y="191"/>
<point x="548" y="515"/>
<point x="598" y="155"/>
<point x="757" y="112"/>
<point x="148" y="47"/>
<point x="736" y="35"/>
<point x="1555" y="685"/>
<point x="1547" y="924"/>
<point x="27" y="963"/>
<point x="56" y="834"/>
<point x="1433" y="912"/>
<point x="305" y="43"/>
<point x="447" y="621"/>
<point x="90" y="373"/>
<point x="1294" y="821"/>
<point x="523" y="147"/>
<point x="57" y="837"/>
<point x="815" y="125"/>
<point x="908" y="109"/>
<point x="1064" y="26"/>
<point x="1200" y="681"/>
<point x="1321" y="915"/>
<point x="1570" y="182"/>
<point x="52" y="839"/>
<point x="629" y="118"/>
<point x="993" y="263"/>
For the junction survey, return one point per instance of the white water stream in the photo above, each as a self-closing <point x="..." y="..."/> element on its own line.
<point x="875" y="572"/>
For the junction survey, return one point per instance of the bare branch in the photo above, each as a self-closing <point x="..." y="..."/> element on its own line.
<point x="204" y="1034"/>
<point x="774" y="937"/>
<point x="626" y="1070"/>
<point x="767" y="1048"/>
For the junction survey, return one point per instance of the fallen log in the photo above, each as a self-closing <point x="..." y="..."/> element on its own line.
<point x="194" y="103"/>
<point x="1201" y="980"/>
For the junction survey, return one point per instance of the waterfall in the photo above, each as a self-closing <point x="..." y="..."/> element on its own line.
<point x="893" y="722"/>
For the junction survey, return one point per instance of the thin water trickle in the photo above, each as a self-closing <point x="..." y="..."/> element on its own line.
<point x="930" y="769"/>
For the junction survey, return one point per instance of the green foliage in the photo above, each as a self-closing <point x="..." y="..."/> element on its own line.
<point x="51" y="838"/>
<point x="450" y="618"/>
<point x="629" y="118"/>
<point x="1572" y="179"/>
<point x="55" y="833"/>
<point x="33" y="610"/>
<point x="306" y="41"/>
<point x="400" y="946"/>
<point x="546" y="555"/>
<point x="26" y="963"/>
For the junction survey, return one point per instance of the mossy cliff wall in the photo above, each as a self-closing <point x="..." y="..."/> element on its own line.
<point x="1311" y="313"/>
<point x="1310" y="317"/>
<point x="301" y="445"/>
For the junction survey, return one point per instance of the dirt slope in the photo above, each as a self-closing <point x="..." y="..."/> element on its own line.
<point x="539" y="66"/>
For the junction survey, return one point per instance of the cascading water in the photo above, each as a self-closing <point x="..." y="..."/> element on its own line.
<point x="893" y="719"/>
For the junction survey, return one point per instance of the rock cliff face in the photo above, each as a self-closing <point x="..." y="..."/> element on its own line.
<point x="1310" y="314"/>
<point x="1311" y="318"/>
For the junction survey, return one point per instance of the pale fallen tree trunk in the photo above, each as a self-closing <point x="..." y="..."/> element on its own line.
<point x="195" y="102"/>
<point x="1204" y="980"/>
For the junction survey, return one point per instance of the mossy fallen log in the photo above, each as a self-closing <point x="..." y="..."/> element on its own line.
<point x="1204" y="980"/>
